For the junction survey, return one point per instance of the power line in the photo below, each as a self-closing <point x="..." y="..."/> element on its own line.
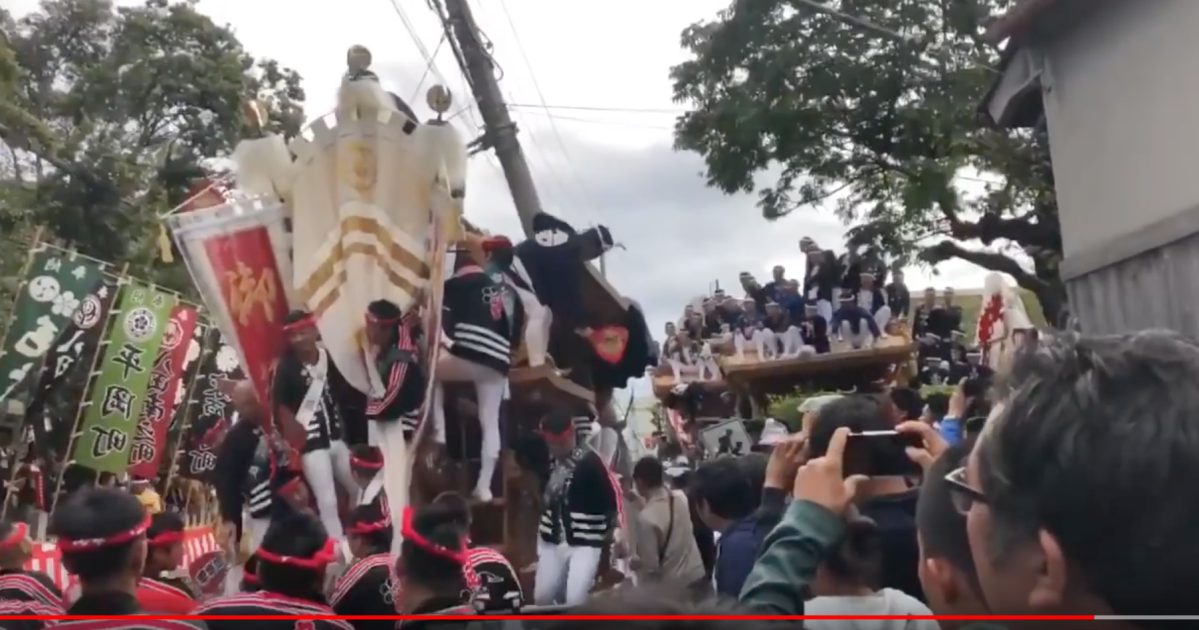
<point x="541" y="97"/>
<point x="614" y="123"/>
<point x="428" y="67"/>
<point x="430" y="59"/>
<point x="588" y="108"/>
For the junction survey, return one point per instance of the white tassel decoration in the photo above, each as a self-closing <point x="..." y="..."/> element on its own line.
<point x="444" y="153"/>
<point x="355" y="98"/>
<point x="264" y="166"/>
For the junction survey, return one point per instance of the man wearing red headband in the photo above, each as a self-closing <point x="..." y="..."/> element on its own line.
<point x="582" y="507"/>
<point x="303" y="389"/>
<point x="164" y="556"/>
<point x="431" y="564"/>
<point x="482" y="322"/>
<point x="292" y="563"/>
<point x="23" y="592"/>
<point x="369" y="586"/>
<point x="367" y="462"/>
<point x="253" y="478"/>
<point x="492" y="580"/>
<point x="101" y="533"/>
<point x="394" y="404"/>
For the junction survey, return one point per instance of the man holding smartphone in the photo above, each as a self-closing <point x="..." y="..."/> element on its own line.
<point x="887" y="497"/>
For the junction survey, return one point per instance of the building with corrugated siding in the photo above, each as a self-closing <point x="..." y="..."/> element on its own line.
<point x="1114" y="85"/>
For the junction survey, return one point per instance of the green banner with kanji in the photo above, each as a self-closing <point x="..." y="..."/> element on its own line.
<point x="123" y="376"/>
<point x="50" y="295"/>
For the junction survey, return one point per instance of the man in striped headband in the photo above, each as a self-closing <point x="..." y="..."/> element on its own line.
<point x="24" y="592"/>
<point x="101" y="533"/>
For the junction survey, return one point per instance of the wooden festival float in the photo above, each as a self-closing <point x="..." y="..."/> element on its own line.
<point x="747" y="383"/>
<point x="368" y="204"/>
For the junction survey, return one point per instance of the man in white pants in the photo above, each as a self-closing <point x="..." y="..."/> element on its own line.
<point x="582" y="505"/>
<point x="304" y="401"/>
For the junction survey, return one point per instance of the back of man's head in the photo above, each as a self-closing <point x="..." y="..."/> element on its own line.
<point x="101" y="533"/>
<point x="938" y="405"/>
<point x="908" y="402"/>
<point x="754" y="466"/>
<point x="1089" y="470"/>
<point x="724" y="488"/>
<point x="857" y="413"/>
<point x="648" y="471"/>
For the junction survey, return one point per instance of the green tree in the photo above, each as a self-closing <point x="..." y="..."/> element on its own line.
<point x="116" y="111"/>
<point x="880" y="126"/>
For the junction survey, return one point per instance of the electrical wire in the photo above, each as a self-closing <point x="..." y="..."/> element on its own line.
<point x="428" y="66"/>
<point x="587" y="108"/>
<point x="541" y="97"/>
<point x="614" y="123"/>
<point x="430" y="60"/>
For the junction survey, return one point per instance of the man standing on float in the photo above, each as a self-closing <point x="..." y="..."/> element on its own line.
<point x="394" y="405"/>
<point x="304" y="402"/>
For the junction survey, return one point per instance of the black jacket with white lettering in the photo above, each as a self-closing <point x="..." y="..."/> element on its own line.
<point x="367" y="588"/>
<point x="476" y="318"/>
<point x="264" y="603"/>
<point x="586" y="509"/>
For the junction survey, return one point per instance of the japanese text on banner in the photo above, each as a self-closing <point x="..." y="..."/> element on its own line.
<point x="212" y="411"/>
<point x="244" y="264"/>
<point x="119" y="390"/>
<point x="52" y="292"/>
<point x="63" y="380"/>
<point x="150" y="436"/>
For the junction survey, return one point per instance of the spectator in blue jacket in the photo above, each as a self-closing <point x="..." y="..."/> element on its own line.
<point x="726" y="501"/>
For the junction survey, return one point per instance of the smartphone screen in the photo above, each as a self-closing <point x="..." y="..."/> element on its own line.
<point x="880" y="454"/>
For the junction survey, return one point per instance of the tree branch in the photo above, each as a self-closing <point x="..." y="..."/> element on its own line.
<point x="991" y="227"/>
<point x="993" y="261"/>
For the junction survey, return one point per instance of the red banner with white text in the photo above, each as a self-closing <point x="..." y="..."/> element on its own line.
<point x="243" y="264"/>
<point x="166" y="378"/>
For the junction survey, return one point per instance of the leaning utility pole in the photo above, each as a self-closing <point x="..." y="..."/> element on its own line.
<point x="499" y="132"/>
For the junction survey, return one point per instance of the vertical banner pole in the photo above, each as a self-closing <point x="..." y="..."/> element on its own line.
<point x="8" y="322"/>
<point x="189" y="404"/>
<point x="114" y="310"/>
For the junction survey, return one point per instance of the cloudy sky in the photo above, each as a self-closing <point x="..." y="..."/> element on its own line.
<point x="592" y="164"/>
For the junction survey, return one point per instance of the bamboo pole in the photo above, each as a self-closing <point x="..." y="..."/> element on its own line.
<point x="8" y="322"/>
<point x="188" y="417"/>
<point x="85" y="402"/>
